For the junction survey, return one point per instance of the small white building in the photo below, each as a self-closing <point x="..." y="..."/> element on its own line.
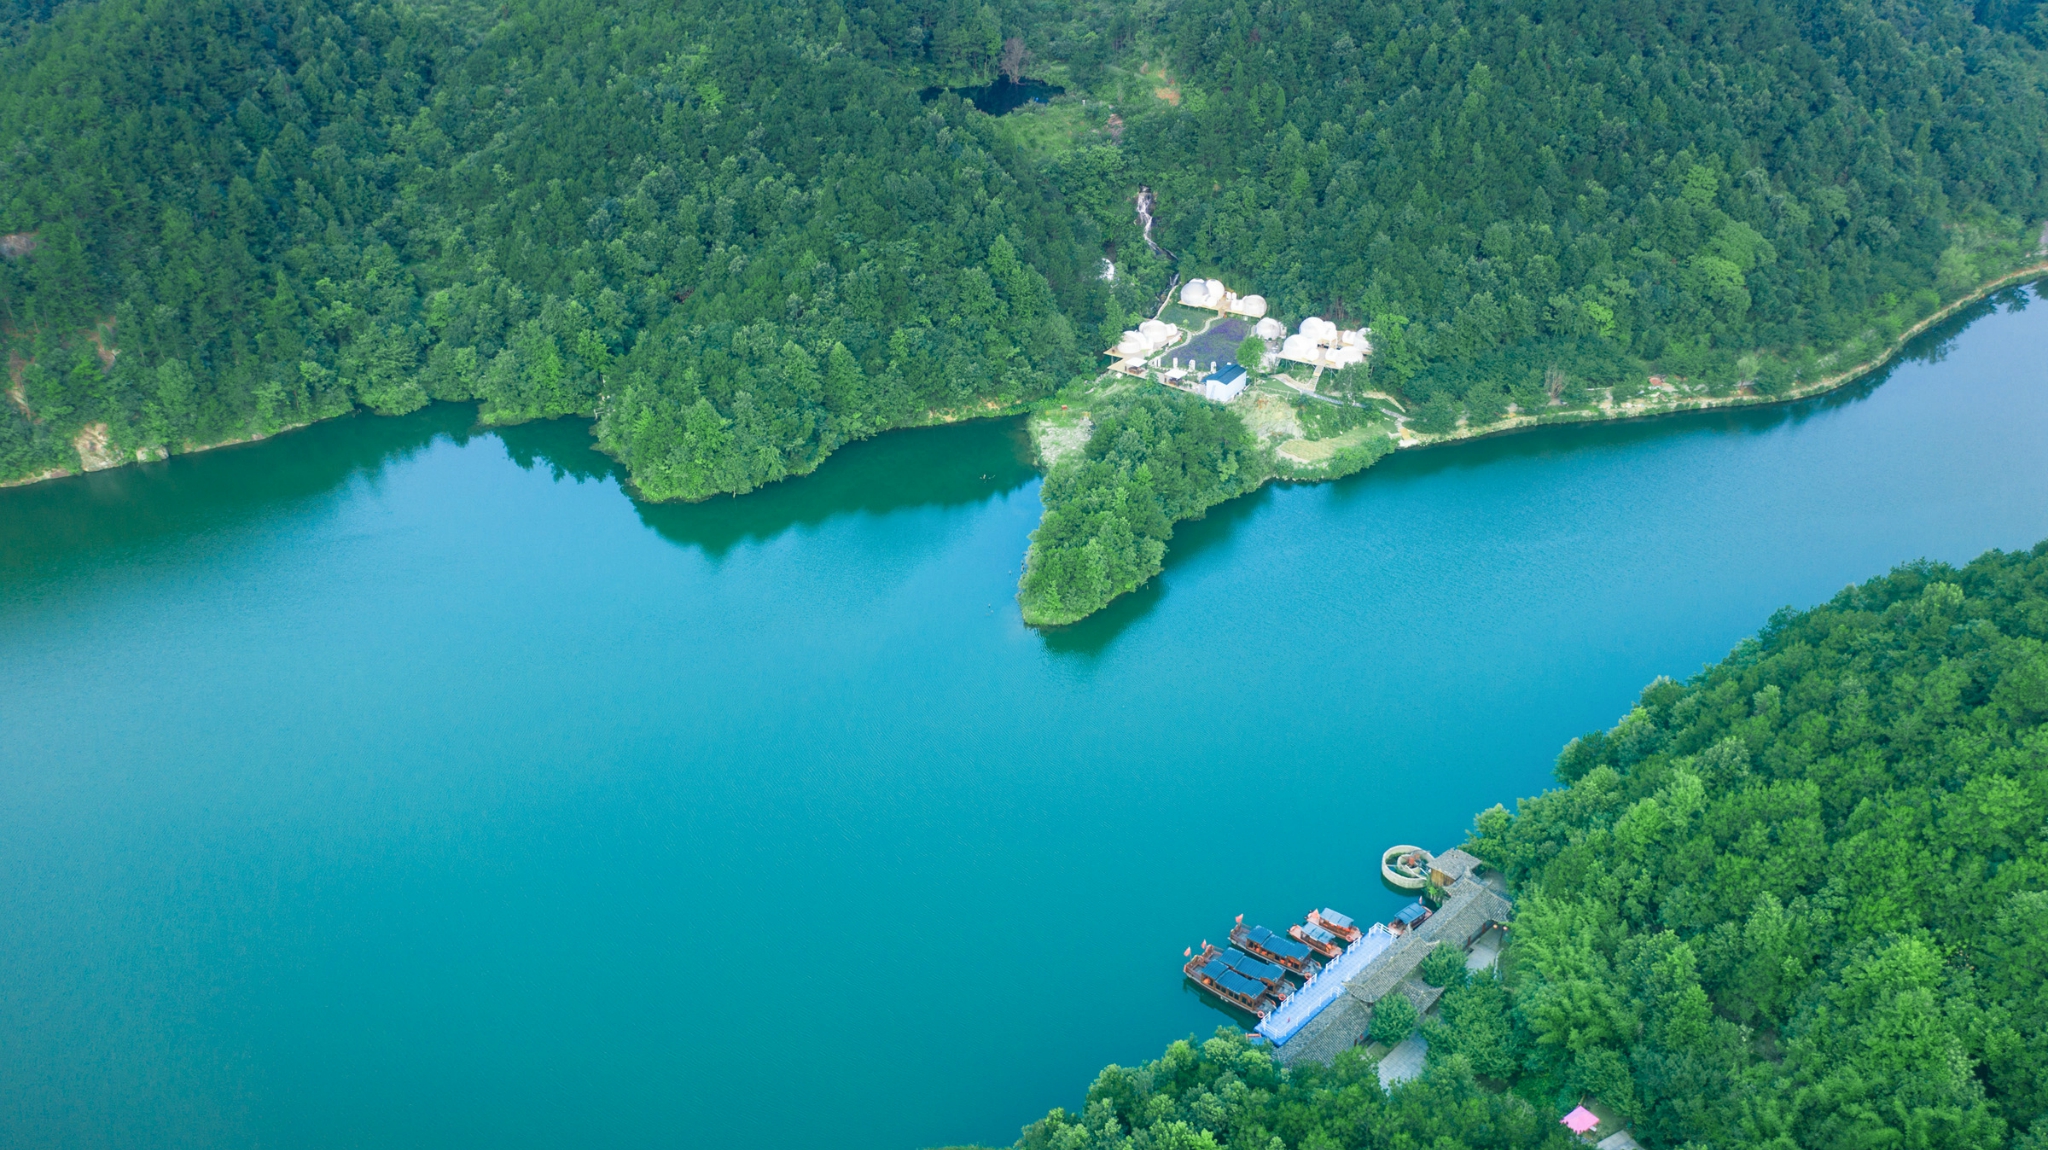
<point x="1225" y="384"/>
<point x="1269" y="330"/>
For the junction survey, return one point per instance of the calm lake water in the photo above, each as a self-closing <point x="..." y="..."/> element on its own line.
<point x="395" y="784"/>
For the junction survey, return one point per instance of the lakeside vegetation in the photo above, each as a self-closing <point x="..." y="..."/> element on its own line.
<point x="1154" y="457"/>
<point x="1800" y="900"/>
<point x="735" y="237"/>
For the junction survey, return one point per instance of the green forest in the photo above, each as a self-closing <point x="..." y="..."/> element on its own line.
<point x="1154" y="458"/>
<point x="737" y="236"/>
<point x="1799" y="902"/>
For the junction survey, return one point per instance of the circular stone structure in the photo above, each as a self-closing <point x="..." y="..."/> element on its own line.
<point x="1406" y="877"/>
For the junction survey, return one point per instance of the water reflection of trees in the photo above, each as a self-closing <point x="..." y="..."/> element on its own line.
<point x="950" y="466"/>
<point x="47" y="526"/>
<point x="1093" y="635"/>
<point x="1191" y="541"/>
<point x="1929" y="347"/>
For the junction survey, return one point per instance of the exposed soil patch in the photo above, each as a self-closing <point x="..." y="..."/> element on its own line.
<point x="17" y="245"/>
<point x="1269" y="416"/>
<point x="1057" y="440"/>
<point x="95" y="448"/>
<point x="1309" y="451"/>
<point x="1167" y="89"/>
<point x="15" y="392"/>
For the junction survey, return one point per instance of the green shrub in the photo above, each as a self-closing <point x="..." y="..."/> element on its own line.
<point x="1445" y="966"/>
<point x="1393" y="1018"/>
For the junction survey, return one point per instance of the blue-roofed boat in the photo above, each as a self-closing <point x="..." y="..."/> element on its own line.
<point x="1217" y="972"/>
<point x="1409" y="917"/>
<point x="1263" y="943"/>
<point x="1266" y="972"/>
<point x="1337" y="924"/>
<point x="1317" y="939"/>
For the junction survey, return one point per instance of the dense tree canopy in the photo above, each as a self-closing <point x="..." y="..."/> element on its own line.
<point x="1685" y="186"/>
<point x="1154" y="457"/>
<point x="1800" y="901"/>
<point x="737" y="236"/>
<point x="737" y="242"/>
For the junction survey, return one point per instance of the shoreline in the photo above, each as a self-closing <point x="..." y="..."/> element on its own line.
<point x="1041" y="430"/>
<point x="2033" y="271"/>
<point x="255" y="437"/>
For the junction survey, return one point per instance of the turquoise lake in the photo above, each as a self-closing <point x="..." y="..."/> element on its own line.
<point x="396" y="784"/>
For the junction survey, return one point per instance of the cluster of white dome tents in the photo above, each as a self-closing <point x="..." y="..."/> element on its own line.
<point x="1324" y="344"/>
<point x="1147" y="338"/>
<point x="1318" y="342"/>
<point x="1213" y="296"/>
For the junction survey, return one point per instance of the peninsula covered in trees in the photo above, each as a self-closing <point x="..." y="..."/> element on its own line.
<point x="1799" y="901"/>
<point x="737" y="236"/>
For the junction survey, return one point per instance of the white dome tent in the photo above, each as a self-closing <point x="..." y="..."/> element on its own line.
<point x="1203" y="293"/>
<point x="1141" y="343"/>
<point x="1320" y="343"/>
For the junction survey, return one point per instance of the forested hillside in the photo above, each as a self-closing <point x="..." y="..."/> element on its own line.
<point x="738" y="235"/>
<point x="1726" y="191"/>
<point x="1154" y="458"/>
<point x="735" y="240"/>
<point x="1798" y="901"/>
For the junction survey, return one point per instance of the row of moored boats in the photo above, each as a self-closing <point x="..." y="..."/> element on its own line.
<point x="1253" y="972"/>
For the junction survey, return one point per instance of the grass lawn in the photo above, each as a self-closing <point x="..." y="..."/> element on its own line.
<point x="1187" y="318"/>
<point x="1047" y="131"/>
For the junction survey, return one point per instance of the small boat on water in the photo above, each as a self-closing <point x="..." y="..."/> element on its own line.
<point x="1238" y="979"/>
<point x="1337" y="924"/>
<point x="1316" y="938"/>
<point x="1263" y="943"/>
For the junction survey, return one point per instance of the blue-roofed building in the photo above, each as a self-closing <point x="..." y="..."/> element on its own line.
<point x="1225" y="383"/>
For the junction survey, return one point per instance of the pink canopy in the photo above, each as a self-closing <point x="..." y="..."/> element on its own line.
<point x="1580" y="1120"/>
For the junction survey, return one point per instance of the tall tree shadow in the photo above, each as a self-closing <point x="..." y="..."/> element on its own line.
<point x="46" y="526"/>
<point x="950" y="466"/>
<point x="1191" y="540"/>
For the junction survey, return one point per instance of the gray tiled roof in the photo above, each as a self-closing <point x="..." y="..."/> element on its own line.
<point x="1455" y="863"/>
<point x="1465" y="913"/>
<point x="1471" y="905"/>
<point x="1336" y="1030"/>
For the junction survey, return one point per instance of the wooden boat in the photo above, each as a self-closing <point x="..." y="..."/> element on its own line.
<point x="1337" y="924"/>
<point x="1316" y="938"/>
<point x="1409" y="917"/>
<point x="1263" y="943"/>
<point x="1212" y="971"/>
<point x="1274" y="976"/>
